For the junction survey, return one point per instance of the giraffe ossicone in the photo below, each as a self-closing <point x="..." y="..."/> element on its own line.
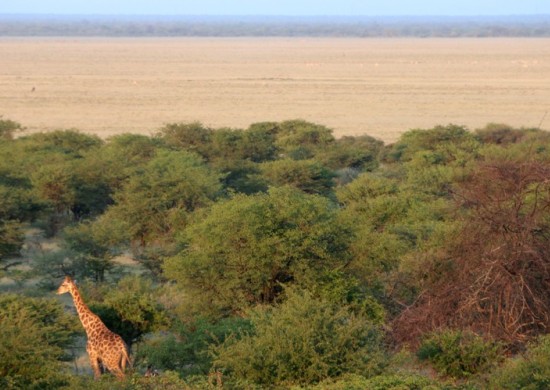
<point x="105" y="348"/>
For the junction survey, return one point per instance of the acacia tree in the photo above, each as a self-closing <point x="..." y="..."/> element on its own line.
<point x="303" y="341"/>
<point x="495" y="276"/>
<point x="240" y="252"/>
<point x="131" y="309"/>
<point x="306" y="175"/>
<point x="11" y="242"/>
<point x="34" y="337"/>
<point x="8" y="128"/>
<point x="155" y="201"/>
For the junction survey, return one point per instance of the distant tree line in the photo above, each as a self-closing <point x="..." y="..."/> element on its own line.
<point x="233" y="26"/>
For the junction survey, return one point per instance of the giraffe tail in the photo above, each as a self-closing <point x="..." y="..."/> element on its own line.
<point x="125" y="359"/>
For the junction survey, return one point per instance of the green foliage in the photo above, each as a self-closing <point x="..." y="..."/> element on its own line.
<point x="222" y="145"/>
<point x="92" y="254"/>
<point x="352" y="152"/>
<point x="363" y="239"/>
<point x="240" y="251"/>
<point x="11" y="239"/>
<point x="528" y="372"/>
<point x="168" y="380"/>
<point x="502" y="134"/>
<point x="393" y="230"/>
<point x="435" y="159"/>
<point x="45" y="169"/>
<point x="186" y="348"/>
<point x="33" y="336"/>
<point x="301" y="140"/>
<point x="459" y="354"/>
<point x="17" y="201"/>
<point x="236" y="153"/>
<point x="303" y="341"/>
<point x="83" y="253"/>
<point x="94" y="182"/>
<point x="70" y="143"/>
<point x="438" y="138"/>
<point x="233" y="152"/>
<point x="242" y="177"/>
<point x="380" y="382"/>
<point x="53" y="184"/>
<point x="155" y="202"/>
<point x="192" y="137"/>
<point x="124" y="155"/>
<point x="259" y="144"/>
<point x="306" y="175"/>
<point x="130" y="308"/>
<point x="156" y="199"/>
<point x="8" y="128"/>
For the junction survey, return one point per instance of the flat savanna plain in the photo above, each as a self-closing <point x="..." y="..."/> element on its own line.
<point x="380" y="87"/>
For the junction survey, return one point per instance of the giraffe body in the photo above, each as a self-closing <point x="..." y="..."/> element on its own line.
<point x="105" y="348"/>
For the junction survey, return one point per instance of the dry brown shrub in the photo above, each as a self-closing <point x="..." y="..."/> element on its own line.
<point x="495" y="279"/>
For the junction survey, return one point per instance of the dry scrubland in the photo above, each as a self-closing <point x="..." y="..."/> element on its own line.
<point x="380" y="87"/>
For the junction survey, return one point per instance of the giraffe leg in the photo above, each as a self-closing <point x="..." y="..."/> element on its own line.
<point x="112" y="361"/>
<point x="94" y="361"/>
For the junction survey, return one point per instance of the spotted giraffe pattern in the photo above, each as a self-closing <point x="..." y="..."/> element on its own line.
<point x="104" y="347"/>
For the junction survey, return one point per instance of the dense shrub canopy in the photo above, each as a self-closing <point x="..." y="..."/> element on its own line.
<point x="240" y="252"/>
<point x="279" y="256"/>
<point x="304" y="340"/>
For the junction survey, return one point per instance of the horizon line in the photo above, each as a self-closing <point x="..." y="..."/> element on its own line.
<point x="274" y="15"/>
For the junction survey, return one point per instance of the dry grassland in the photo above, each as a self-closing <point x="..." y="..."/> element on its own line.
<point x="380" y="87"/>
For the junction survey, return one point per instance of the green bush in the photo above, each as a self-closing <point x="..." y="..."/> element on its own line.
<point x="186" y="348"/>
<point x="239" y="252"/>
<point x="380" y="382"/>
<point x="34" y="335"/>
<point x="352" y="152"/>
<point x="167" y="380"/>
<point x="303" y="341"/>
<point x="414" y="141"/>
<point x="306" y="175"/>
<point x="401" y="382"/>
<point x="502" y="134"/>
<point x="8" y="128"/>
<point x="458" y="354"/>
<point x="531" y="372"/>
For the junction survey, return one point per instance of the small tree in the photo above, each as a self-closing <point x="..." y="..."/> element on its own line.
<point x="155" y="202"/>
<point x="131" y="309"/>
<point x="186" y="347"/>
<point x="240" y="252"/>
<point x="530" y="371"/>
<point x="359" y="153"/>
<point x="459" y="354"/>
<point x="192" y="137"/>
<point x="306" y="175"/>
<point x="11" y="242"/>
<point x="8" y="128"/>
<point x="299" y="140"/>
<point x="34" y="334"/>
<point x="92" y="253"/>
<point x="303" y="341"/>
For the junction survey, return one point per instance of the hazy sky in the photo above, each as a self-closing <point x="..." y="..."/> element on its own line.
<point x="277" y="7"/>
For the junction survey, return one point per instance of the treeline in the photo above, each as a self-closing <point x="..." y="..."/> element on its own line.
<point x="245" y="26"/>
<point x="280" y="257"/>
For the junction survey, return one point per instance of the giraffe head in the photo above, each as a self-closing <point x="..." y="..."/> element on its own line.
<point x="67" y="285"/>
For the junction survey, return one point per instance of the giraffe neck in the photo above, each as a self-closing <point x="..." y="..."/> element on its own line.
<point x="87" y="317"/>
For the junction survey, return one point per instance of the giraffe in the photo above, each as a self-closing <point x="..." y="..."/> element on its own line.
<point x="104" y="347"/>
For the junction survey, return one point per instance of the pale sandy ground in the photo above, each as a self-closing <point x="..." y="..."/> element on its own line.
<point x="380" y="87"/>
